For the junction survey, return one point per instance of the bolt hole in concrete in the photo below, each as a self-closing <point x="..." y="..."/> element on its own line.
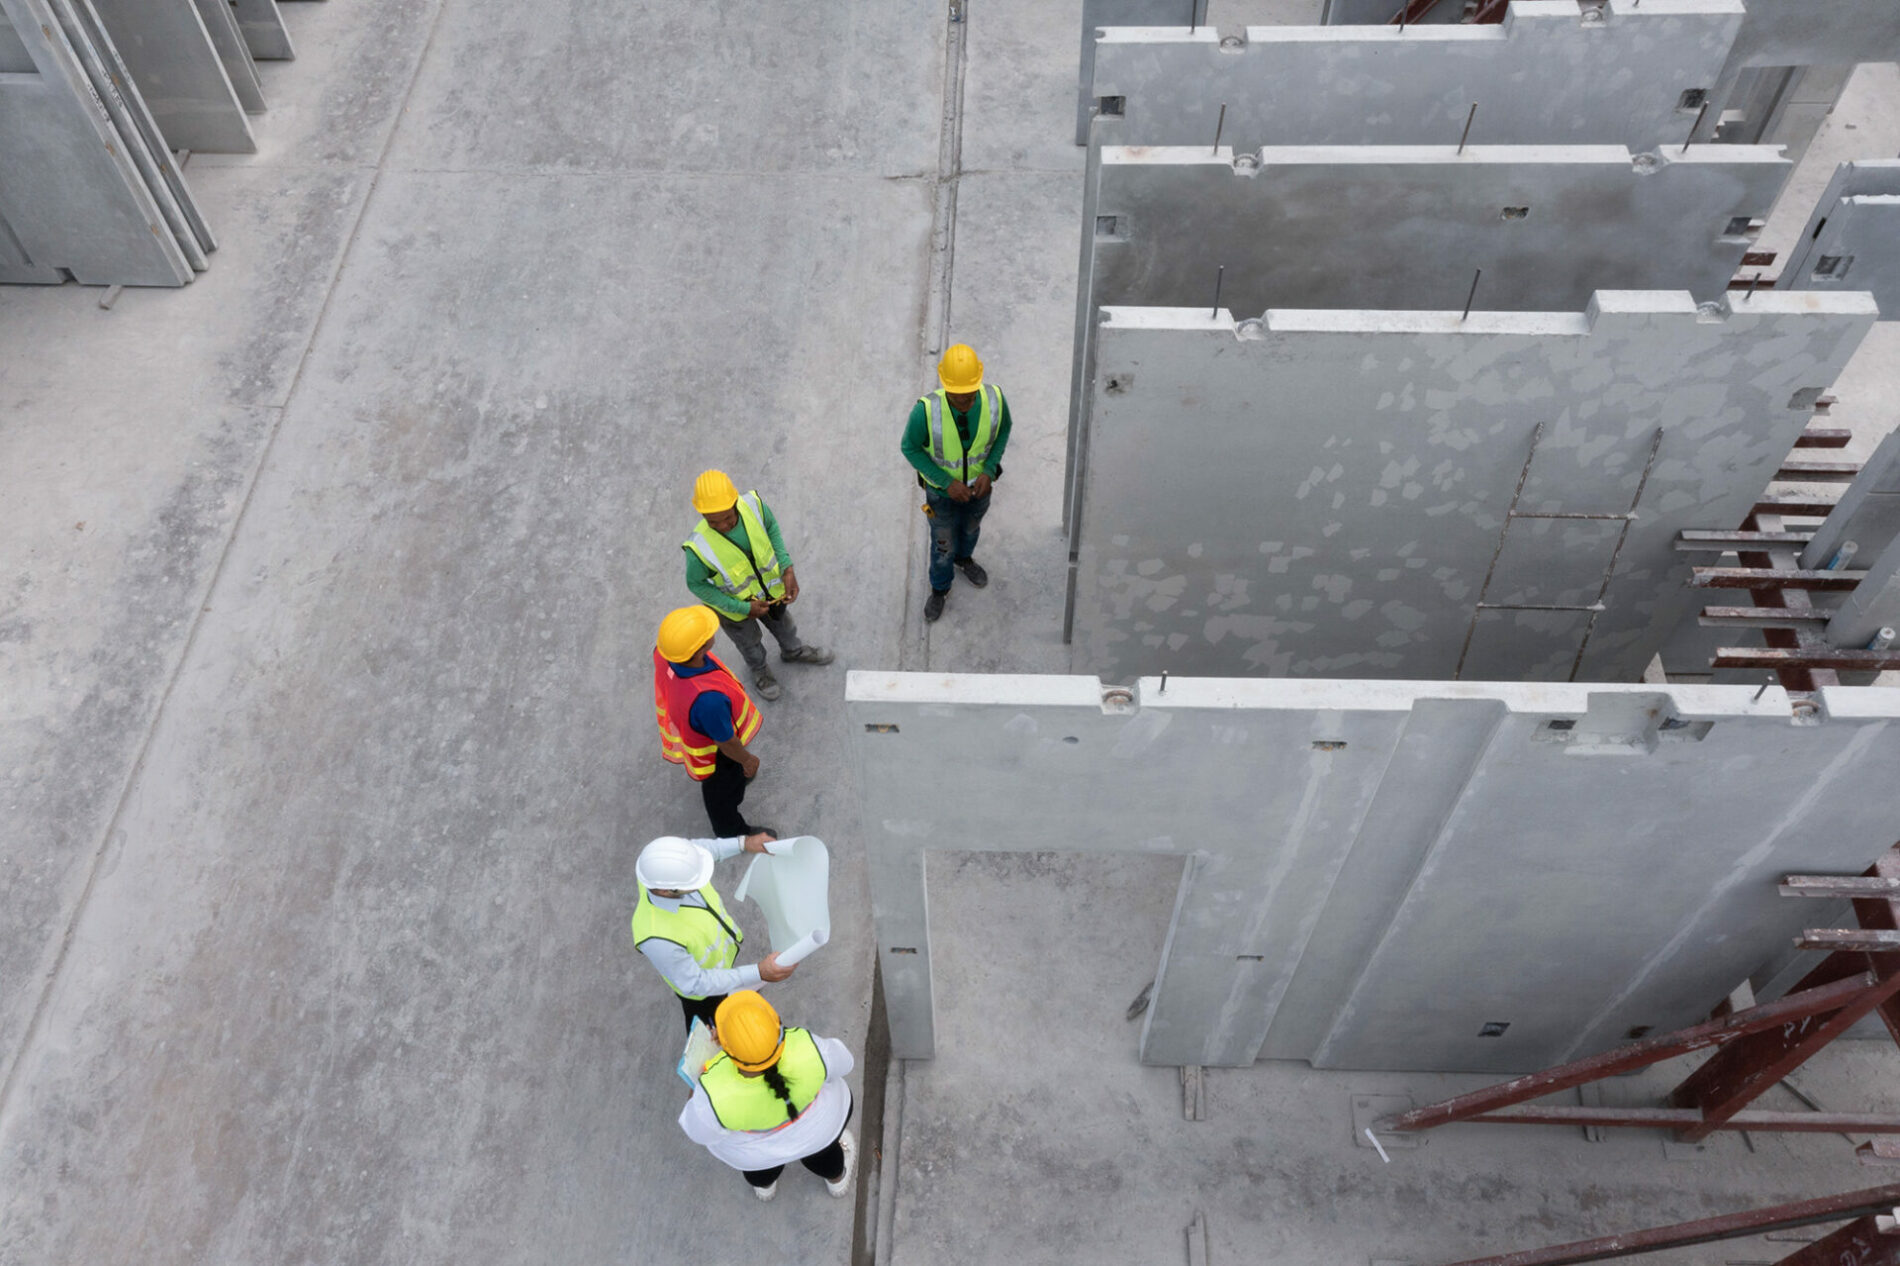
<point x="1328" y="745"/>
<point x="1514" y="213"/>
<point x="1692" y="100"/>
<point x="1118" y="384"/>
<point x="1494" y="1028"/>
<point x="1070" y="738"/>
<point x="1232" y="43"/>
<point x="1638" y="1031"/>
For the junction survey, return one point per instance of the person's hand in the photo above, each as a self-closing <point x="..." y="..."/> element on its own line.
<point x="771" y="972"/>
<point x="982" y="488"/>
<point x="751" y="766"/>
<point x="959" y="491"/>
<point x="791" y="586"/>
<point x="755" y="842"/>
<point x="759" y="608"/>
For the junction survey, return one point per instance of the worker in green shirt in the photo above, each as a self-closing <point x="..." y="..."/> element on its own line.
<point x="737" y="564"/>
<point x="955" y="442"/>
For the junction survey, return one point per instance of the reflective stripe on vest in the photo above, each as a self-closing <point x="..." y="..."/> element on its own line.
<point x="748" y="1103"/>
<point x="740" y="577"/>
<point x="946" y="444"/>
<point x="707" y="933"/>
<point x="673" y="697"/>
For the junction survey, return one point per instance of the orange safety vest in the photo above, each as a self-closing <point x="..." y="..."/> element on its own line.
<point x="673" y="697"/>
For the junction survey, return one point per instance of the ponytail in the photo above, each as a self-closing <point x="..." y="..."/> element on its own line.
<point x="776" y="1080"/>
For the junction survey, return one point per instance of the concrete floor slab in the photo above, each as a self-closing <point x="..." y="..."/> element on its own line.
<point x="776" y="86"/>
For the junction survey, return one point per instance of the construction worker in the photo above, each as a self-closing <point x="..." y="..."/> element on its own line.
<point x="682" y="927"/>
<point x="706" y="718"/>
<point x="772" y="1096"/>
<point x="955" y="441"/>
<point x="737" y="564"/>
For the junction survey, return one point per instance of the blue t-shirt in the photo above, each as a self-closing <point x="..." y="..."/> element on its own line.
<point x="711" y="713"/>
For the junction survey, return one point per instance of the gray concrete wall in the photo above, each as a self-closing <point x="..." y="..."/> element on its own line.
<point x="1097" y="14"/>
<point x="1852" y="241"/>
<point x="1547" y="75"/>
<point x="1867" y="514"/>
<point x="1373" y="871"/>
<point x="1326" y="493"/>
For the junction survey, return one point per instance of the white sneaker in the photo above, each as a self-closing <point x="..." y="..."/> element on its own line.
<point x="766" y="1193"/>
<point x="843" y="1184"/>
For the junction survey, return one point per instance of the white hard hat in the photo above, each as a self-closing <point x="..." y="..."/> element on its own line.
<point x="673" y="863"/>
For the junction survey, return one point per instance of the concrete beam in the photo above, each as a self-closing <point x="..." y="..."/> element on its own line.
<point x="1425" y="497"/>
<point x="1867" y="514"/>
<point x="1547" y="75"/>
<point x="1373" y="871"/>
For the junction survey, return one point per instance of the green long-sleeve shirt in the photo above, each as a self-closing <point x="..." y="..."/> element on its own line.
<point x="917" y="438"/>
<point x="703" y="580"/>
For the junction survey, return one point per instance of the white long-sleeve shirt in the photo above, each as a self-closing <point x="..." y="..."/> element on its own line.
<point x="813" y="1131"/>
<point x="678" y="967"/>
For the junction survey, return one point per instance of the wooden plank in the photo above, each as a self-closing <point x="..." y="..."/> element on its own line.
<point x="1853" y="940"/>
<point x="1680" y="1118"/>
<point x="1697" y="541"/>
<point x="1839" y="886"/>
<point x="1837" y="660"/>
<point x="1818" y="471"/>
<point x="1790" y="1009"/>
<point x="1761" y="618"/>
<point x="1824" y="437"/>
<point x="1774" y="577"/>
<point x="1795" y="507"/>
<point x="1729" y="1226"/>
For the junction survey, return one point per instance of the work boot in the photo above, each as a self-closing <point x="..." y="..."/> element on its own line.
<point x="973" y="572"/>
<point x="766" y="1193"/>
<point x="933" y="605"/>
<point x="766" y="684"/>
<point x="807" y="654"/>
<point x="850" y="1146"/>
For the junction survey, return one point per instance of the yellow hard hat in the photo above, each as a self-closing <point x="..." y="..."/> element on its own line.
<point x="749" y="1030"/>
<point x="960" y="370"/>
<point x="684" y="631"/>
<point x="713" y="492"/>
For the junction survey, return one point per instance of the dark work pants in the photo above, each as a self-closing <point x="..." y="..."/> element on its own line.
<point x="954" y="529"/>
<point x="826" y="1162"/>
<point x="700" y="1009"/>
<point x="723" y="793"/>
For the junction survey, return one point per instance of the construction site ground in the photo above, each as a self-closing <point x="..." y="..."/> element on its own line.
<point x="327" y="595"/>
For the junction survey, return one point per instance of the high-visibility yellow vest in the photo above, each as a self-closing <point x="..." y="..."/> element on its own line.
<point x="748" y="1103"/>
<point x="760" y="576"/>
<point x="710" y="935"/>
<point x="945" y="443"/>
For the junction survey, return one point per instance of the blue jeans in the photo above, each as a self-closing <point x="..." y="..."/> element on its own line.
<point x="954" y="527"/>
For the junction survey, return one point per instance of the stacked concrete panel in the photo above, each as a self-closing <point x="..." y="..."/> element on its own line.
<point x="87" y="187"/>
<point x="1425" y="495"/>
<point x="1375" y="875"/>
<point x="95" y="97"/>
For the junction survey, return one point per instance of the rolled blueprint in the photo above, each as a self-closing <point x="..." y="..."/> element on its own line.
<point x="801" y="949"/>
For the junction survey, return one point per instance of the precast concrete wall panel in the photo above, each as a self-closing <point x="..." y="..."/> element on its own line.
<point x="1415" y="495"/>
<point x="1097" y="14"/>
<point x="71" y="192"/>
<point x="1548" y="75"/>
<point x="264" y="31"/>
<point x="1852" y="241"/>
<point x="1375" y="871"/>
<point x="165" y="45"/>
<point x="1868" y="513"/>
